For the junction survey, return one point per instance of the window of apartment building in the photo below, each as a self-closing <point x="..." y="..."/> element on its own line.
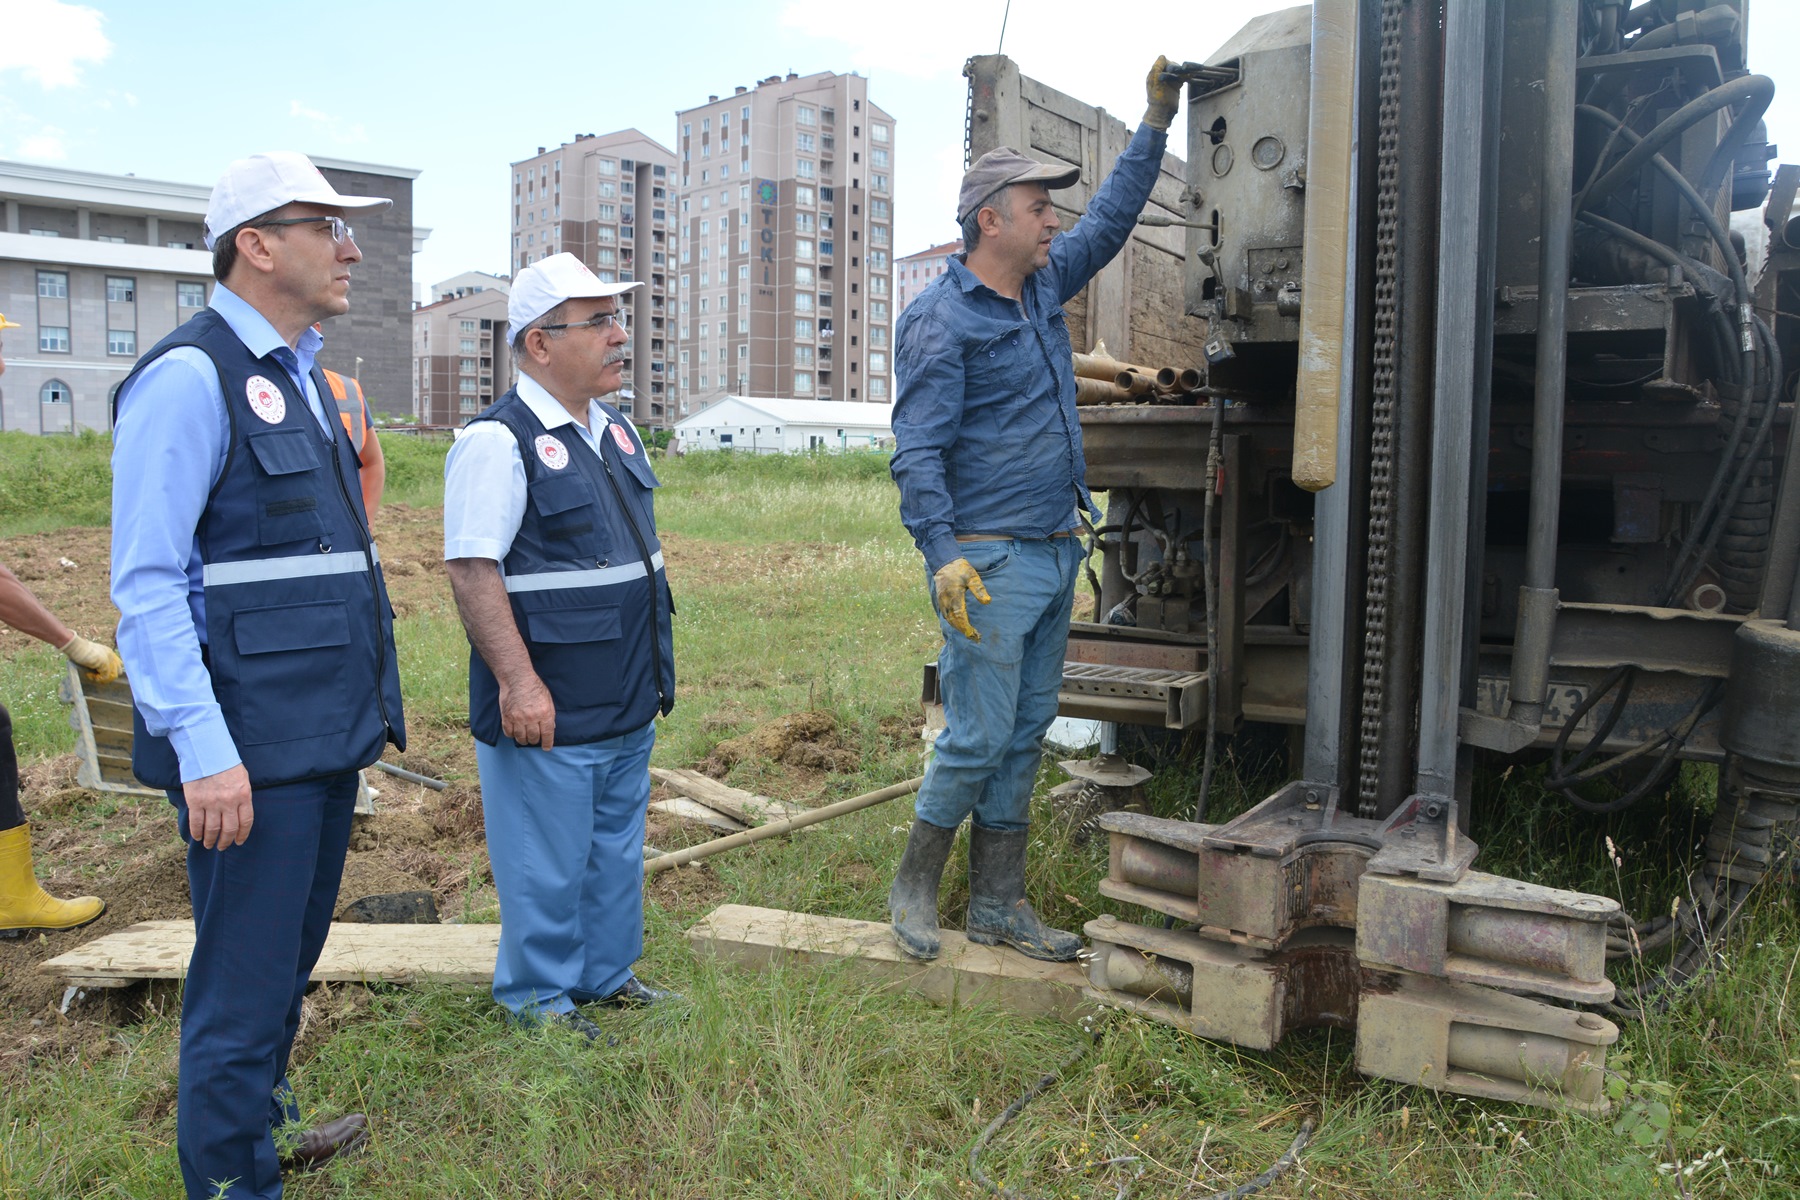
<point x="803" y="381"/>
<point x="608" y="167"/>
<point x="806" y="142"/>
<point x="803" y="276"/>
<point x="879" y="209"/>
<point x="466" y="366"/>
<point x="705" y="202"/>
<point x="877" y="363"/>
<point x="878" y="260"/>
<point x="878" y="285"/>
<point x="878" y="133"/>
<point x="878" y="183"/>
<point x="803" y="194"/>
<point x="703" y="304"/>
<point x="121" y="289"/>
<point x="803" y="168"/>
<point x="53" y="339"/>
<point x="877" y="336"/>
<point x="745" y="115"/>
<point x="606" y="258"/>
<point x="803" y="248"/>
<point x="606" y="233"/>
<point x="806" y="116"/>
<point x="466" y="386"/>
<point x="743" y="322"/>
<point x="803" y="329"/>
<point x="466" y="345"/>
<point x="53" y="285"/>
<point x="877" y="310"/>
<point x="466" y="404"/>
<point x="608" y="191"/>
<point x="804" y="222"/>
<point x="121" y="341"/>
<point x="877" y="389"/>
<point x="803" y="302"/>
<point x="190" y="295"/>
<point x="878" y="158"/>
<point x="55" y="391"/>
<point x="468" y="326"/>
<point x="45" y="233"/>
<point x="803" y="356"/>
<point x="878" y="234"/>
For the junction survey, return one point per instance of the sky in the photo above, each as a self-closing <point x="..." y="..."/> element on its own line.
<point x="460" y="90"/>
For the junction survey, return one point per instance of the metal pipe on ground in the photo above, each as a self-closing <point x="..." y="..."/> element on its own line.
<point x="1095" y="366"/>
<point x="436" y="785"/>
<point x="680" y="858"/>
<point x="1099" y="391"/>
<point x="1135" y="384"/>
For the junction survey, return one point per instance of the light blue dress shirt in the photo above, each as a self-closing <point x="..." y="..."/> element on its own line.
<point x="171" y="423"/>
<point x="484" y="478"/>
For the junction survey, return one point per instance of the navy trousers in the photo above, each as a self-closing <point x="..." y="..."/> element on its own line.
<point x="262" y="911"/>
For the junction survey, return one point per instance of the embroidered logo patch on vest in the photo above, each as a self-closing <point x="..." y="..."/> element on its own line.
<point x="551" y="452"/>
<point x="622" y="439"/>
<point x="266" y="400"/>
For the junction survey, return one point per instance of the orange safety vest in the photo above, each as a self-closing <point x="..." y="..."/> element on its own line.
<point x="353" y="412"/>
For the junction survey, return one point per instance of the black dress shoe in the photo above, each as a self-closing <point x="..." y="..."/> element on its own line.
<point x="635" y="993"/>
<point x="315" y="1147"/>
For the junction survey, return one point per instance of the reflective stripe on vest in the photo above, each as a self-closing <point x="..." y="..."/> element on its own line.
<point x="545" y="581"/>
<point x="288" y="566"/>
<point x="349" y="411"/>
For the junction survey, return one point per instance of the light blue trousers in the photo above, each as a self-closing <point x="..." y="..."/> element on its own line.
<point x="565" y="834"/>
<point x="1000" y="693"/>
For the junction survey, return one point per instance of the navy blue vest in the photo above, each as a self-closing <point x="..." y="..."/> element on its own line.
<point x="299" y="632"/>
<point x="585" y="579"/>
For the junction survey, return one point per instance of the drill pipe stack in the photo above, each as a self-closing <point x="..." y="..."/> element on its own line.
<point x="1102" y="380"/>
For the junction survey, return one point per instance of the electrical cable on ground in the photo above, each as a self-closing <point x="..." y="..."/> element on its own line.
<point x="1250" y="1187"/>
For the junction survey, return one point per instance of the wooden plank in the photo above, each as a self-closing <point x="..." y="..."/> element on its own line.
<point x="964" y="973"/>
<point x="740" y="805"/>
<point x="691" y="810"/>
<point x="353" y="953"/>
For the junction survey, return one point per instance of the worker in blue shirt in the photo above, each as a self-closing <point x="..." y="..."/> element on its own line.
<point x="259" y="644"/>
<point x="992" y="484"/>
<point x="550" y="543"/>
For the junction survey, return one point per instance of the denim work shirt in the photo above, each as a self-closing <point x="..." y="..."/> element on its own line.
<point x="985" y="430"/>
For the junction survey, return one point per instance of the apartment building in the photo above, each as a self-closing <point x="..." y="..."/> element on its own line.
<point x="608" y="199"/>
<point x="913" y="272"/>
<point x="468" y="283"/>
<point x="98" y="268"/>
<point x="785" y="214"/>
<point x="461" y="358"/>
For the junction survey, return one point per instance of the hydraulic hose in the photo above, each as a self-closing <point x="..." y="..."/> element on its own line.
<point x="1753" y="91"/>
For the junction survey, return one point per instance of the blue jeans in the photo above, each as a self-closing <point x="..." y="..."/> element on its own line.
<point x="1000" y="693"/>
<point x="262" y="911"/>
<point x="565" y="834"/>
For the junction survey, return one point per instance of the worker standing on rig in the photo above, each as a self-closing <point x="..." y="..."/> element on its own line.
<point x="992" y="483"/>
<point x="260" y="642"/>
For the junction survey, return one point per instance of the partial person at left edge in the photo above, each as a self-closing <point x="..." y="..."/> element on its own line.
<point x="259" y="640"/>
<point x="25" y="907"/>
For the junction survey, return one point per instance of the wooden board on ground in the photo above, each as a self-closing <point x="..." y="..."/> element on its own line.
<point x="693" y="810"/>
<point x="963" y="973"/>
<point x="744" y="806"/>
<point x="354" y="953"/>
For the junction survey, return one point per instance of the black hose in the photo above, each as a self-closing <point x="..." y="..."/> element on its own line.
<point x="1753" y="91"/>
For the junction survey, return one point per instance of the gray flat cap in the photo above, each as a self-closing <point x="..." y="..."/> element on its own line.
<point x="1002" y="166"/>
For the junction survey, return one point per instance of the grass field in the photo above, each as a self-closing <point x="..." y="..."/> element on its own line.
<point x="799" y="592"/>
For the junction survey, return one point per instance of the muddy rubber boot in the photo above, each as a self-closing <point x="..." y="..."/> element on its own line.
<point x="913" y="900"/>
<point x="998" y="910"/>
<point x="23" y="904"/>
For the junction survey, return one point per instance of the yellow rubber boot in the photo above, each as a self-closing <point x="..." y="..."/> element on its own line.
<point x="23" y="904"/>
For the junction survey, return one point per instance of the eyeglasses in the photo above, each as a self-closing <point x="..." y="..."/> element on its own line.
<point x="603" y="322"/>
<point x="340" y="232"/>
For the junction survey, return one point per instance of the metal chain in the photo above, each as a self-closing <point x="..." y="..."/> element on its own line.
<point x="1381" y="433"/>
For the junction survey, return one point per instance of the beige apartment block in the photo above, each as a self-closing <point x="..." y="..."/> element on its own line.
<point x="461" y="360"/>
<point x="913" y="272"/>
<point x="784" y="260"/>
<point x="608" y="200"/>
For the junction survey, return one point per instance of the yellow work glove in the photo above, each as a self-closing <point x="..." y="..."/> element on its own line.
<point x="101" y="662"/>
<point x="955" y="582"/>
<point x="1164" y="97"/>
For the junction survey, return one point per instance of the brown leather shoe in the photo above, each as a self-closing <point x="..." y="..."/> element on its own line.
<point x="317" y="1146"/>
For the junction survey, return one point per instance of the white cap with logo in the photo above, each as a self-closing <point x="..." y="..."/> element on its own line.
<point x="547" y="283"/>
<point x="263" y="183"/>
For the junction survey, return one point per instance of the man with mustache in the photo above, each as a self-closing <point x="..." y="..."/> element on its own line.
<point x="550" y="541"/>
<point x="260" y="643"/>
<point x="988" y="459"/>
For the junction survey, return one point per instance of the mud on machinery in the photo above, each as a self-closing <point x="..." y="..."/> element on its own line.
<point x="1489" y="454"/>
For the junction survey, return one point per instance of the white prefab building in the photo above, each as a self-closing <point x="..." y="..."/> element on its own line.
<point x="767" y="426"/>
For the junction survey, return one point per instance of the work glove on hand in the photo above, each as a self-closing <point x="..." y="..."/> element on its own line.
<point x="955" y="582"/>
<point x="101" y="662"/>
<point x="1164" y="96"/>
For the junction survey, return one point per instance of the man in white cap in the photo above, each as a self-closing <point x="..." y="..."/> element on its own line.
<point x="550" y="540"/>
<point x="985" y="376"/>
<point x="260" y="646"/>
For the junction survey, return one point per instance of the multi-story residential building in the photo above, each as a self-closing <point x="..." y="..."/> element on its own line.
<point x="608" y="200"/>
<point x="786" y="211"/>
<point x="913" y="272"/>
<point x="98" y="268"/>
<point x="461" y="359"/>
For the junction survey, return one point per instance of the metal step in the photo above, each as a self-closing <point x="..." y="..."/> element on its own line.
<point x="1133" y="695"/>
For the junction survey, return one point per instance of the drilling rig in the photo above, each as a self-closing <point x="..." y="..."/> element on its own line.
<point x="1482" y="447"/>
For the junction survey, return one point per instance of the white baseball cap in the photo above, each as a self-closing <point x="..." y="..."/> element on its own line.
<point x="548" y="282"/>
<point x="263" y="183"/>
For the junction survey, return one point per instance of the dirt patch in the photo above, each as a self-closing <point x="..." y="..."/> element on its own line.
<point x="807" y="740"/>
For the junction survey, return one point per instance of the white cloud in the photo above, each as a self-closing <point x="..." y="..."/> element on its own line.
<point x="338" y="132"/>
<point x="46" y="145"/>
<point x="48" y="41"/>
<point x="297" y="109"/>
